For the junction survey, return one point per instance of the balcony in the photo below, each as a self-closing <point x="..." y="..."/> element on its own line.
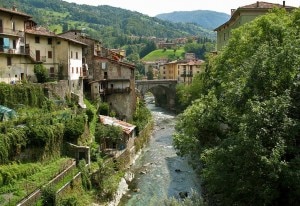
<point x="115" y="90"/>
<point x="11" y="32"/>
<point x="84" y="72"/>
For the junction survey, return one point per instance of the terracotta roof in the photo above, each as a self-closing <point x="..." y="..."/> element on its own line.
<point x="264" y="5"/>
<point x="72" y="40"/>
<point x="131" y="66"/>
<point x="15" y="12"/>
<point x="198" y="62"/>
<point x="126" y="127"/>
<point x="40" y="31"/>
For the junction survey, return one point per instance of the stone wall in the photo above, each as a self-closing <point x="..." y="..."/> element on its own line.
<point x="123" y="104"/>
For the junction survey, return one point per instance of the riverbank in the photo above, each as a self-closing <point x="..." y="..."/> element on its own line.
<point x="130" y="157"/>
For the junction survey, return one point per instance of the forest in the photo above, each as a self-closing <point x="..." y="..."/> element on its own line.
<point x="240" y="121"/>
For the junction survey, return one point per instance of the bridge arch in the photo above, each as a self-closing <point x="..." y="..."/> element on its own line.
<point x="164" y="91"/>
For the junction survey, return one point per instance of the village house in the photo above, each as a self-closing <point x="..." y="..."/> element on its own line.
<point x="62" y="57"/>
<point x="40" y="49"/>
<point x="188" y="70"/>
<point x="241" y="16"/>
<point x="13" y="59"/>
<point x="182" y="70"/>
<point x="24" y="44"/>
<point x="109" y="77"/>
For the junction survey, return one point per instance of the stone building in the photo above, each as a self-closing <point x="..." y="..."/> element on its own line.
<point x="109" y="77"/>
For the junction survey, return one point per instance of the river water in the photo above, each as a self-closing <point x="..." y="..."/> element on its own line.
<point x="159" y="172"/>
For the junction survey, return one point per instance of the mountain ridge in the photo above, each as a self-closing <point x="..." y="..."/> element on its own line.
<point x="112" y="25"/>
<point x="207" y="19"/>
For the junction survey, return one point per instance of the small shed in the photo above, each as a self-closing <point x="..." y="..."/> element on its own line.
<point x="129" y="133"/>
<point x="6" y="113"/>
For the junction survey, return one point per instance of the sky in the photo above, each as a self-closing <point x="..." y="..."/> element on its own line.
<point x="154" y="7"/>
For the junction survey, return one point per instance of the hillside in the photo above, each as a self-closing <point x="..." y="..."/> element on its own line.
<point x="114" y="26"/>
<point x="204" y="18"/>
<point x="164" y="54"/>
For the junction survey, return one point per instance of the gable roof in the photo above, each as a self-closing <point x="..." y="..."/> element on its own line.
<point x="126" y="127"/>
<point x="15" y="12"/>
<point x="258" y="6"/>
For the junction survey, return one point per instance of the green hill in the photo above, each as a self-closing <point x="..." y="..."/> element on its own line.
<point x="204" y="18"/>
<point x="164" y="54"/>
<point x="115" y="27"/>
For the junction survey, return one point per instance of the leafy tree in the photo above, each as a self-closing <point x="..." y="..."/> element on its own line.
<point x="149" y="47"/>
<point x="41" y="73"/>
<point x="150" y="74"/>
<point x="244" y="128"/>
<point x="74" y="127"/>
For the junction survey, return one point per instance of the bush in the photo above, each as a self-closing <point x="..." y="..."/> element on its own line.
<point x="74" y="128"/>
<point x="48" y="196"/>
<point x="41" y="73"/>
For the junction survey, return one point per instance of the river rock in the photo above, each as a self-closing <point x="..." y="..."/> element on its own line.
<point x="136" y="190"/>
<point x="183" y="194"/>
<point x="129" y="176"/>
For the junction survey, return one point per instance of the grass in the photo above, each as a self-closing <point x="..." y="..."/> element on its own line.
<point x="164" y="54"/>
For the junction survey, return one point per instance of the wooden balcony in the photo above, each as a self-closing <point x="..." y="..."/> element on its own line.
<point x="108" y="91"/>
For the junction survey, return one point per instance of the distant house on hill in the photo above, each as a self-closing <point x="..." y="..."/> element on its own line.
<point x="243" y="15"/>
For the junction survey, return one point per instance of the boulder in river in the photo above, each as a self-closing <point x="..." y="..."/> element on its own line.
<point x="183" y="195"/>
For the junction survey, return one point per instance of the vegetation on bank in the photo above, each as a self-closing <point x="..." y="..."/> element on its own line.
<point x="242" y="127"/>
<point x="33" y="143"/>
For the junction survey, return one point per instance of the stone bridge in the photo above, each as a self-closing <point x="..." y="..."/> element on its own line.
<point x="164" y="91"/>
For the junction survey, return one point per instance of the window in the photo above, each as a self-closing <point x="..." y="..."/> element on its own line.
<point x="14" y="44"/>
<point x="76" y="55"/>
<point x="8" y="61"/>
<point x="71" y="54"/>
<point x="50" y="41"/>
<point x="50" y="54"/>
<point x="224" y="36"/>
<point x="37" y="39"/>
<point x="52" y="72"/>
<point x="76" y="70"/>
<point x="72" y="70"/>
<point x="13" y="26"/>
<point x="37" y="55"/>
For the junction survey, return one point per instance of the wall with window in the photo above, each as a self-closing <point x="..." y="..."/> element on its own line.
<point x="13" y="69"/>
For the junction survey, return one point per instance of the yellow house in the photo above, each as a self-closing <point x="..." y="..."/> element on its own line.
<point x="40" y="48"/>
<point x="243" y="15"/>
<point x="188" y="70"/>
<point x="13" y="59"/>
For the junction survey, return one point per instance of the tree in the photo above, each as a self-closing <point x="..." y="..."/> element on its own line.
<point x="41" y="73"/>
<point x="244" y="128"/>
<point x="150" y="74"/>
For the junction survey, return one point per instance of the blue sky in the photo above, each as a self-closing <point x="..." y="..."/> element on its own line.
<point x="154" y="7"/>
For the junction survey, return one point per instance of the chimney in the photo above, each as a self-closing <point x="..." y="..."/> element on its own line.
<point x="257" y="4"/>
<point x="14" y="8"/>
<point x="283" y="4"/>
<point x="232" y="11"/>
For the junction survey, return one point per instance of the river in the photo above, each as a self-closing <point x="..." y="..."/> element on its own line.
<point x="159" y="172"/>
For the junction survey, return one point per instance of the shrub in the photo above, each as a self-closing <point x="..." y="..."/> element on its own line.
<point x="41" y="73"/>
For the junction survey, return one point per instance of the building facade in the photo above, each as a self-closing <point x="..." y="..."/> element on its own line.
<point x="13" y="59"/>
<point x="243" y="15"/>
